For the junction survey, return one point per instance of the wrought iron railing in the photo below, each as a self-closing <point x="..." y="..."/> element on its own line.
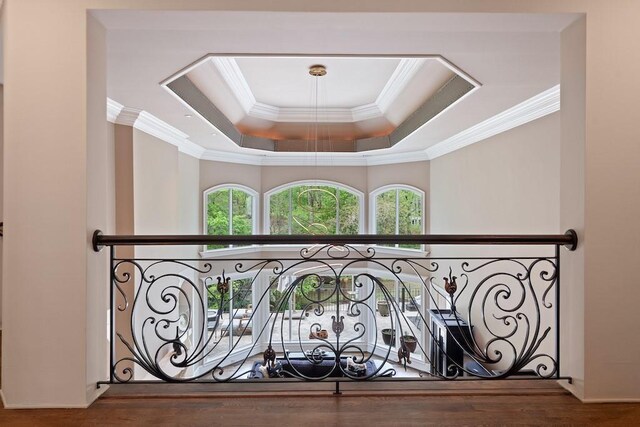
<point x="340" y="309"/>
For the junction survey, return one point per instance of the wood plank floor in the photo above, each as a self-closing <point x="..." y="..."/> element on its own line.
<point x="326" y="410"/>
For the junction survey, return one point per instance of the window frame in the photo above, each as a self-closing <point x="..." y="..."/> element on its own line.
<point x="267" y="200"/>
<point x="254" y="210"/>
<point x="397" y="187"/>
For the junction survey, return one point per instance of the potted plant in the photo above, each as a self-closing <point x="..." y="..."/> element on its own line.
<point x="389" y="336"/>
<point x="383" y="308"/>
<point x="409" y="342"/>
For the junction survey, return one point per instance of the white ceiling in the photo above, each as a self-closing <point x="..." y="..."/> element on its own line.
<point x="359" y="97"/>
<point x="514" y="56"/>
<point x="285" y="82"/>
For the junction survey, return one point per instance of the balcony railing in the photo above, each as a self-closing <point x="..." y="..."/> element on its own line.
<point x="343" y="308"/>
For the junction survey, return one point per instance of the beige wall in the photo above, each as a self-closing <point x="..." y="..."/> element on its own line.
<point x="507" y="184"/>
<point x="1" y="187"/>
<point x="612" y="202"/>
<point x="572" y="193"/>
<point x="155" y="173"/>
<point x="189" y="195"/>
<point x="49" y="169"/>
<point x="100" y="204"/>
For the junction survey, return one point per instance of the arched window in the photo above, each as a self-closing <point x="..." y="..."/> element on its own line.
<point x="312" y="207"/>
<point x="229" y="210"/>
<point x="398" y="209"/>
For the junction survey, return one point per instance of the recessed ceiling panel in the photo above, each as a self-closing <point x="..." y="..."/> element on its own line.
<point x="365" y="101"/>
<point x="286" y="82"/>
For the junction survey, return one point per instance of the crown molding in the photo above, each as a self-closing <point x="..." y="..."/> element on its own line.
<point x="233" y="77"/>
<point x="113" y="110"/>
<point x="538" y="106"/>
<point x="544" y="103"/>
<point x="404" y="72"/>
<point x="366" y="112"/>
<point x="127" y="116"/>
<point x="406" y="157"/>
<point x="230" y="157"/>
<point x="150" y="124"/>
<point x="317" y="159"/>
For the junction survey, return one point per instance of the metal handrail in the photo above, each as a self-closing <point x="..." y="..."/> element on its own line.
<point x="568" y="239"/>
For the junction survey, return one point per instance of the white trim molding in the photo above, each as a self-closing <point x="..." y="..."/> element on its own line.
<point x="237" y="83"/>
<point x="113" y="110"/>
<point x="533" y="108"/>
<point x="150" y="124"/>
<point x="402" y="75"/>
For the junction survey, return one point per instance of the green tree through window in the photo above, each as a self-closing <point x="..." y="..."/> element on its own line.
<point x="314" y="209"/>
<point x="229" y="212"/>
<point x="399" y="211"/>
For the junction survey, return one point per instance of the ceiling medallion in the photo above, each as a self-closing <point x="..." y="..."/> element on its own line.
<point x="317" y="70"/>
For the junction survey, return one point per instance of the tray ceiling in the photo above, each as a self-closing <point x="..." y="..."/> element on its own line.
<point x="515" y="56"/>
<point x="363" y="103"/>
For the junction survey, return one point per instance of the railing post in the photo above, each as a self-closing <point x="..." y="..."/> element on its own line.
<point x="112" y="317"/>
<point x="558" y="310"/>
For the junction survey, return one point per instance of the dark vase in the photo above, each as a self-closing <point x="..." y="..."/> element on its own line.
<point x="409" y="342"/>
<point x="389" y="336"/>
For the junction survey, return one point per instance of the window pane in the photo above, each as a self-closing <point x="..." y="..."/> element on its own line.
<point x="279" y="213"/>
<point x="349" y="212"/>
<point x="217" y="343"/>
<point x="242" y="206"/>
<point x="386" y="212"/>
<point x="410" y="215"/>
<point x="314" y="209"/>
<point x="321" y="204"/>
<point x="218" y="215"/>
<point x="242" y="322"/>
<point x="300" y="211"/>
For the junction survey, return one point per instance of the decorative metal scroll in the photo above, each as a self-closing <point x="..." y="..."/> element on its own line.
<point x="334" y="312"/>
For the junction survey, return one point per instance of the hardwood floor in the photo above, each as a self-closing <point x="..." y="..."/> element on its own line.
<point x="327" y="410"/>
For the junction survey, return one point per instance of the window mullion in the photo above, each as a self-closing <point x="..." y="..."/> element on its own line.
<point x="290" y="210"/>
<point x="230" y="212"/>
<point x="337" y="211"/>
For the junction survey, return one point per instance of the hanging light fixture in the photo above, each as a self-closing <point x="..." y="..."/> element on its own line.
<point x="315" y="199"/>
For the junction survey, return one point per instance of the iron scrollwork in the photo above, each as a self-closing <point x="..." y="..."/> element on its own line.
<point x="321" y="315"/>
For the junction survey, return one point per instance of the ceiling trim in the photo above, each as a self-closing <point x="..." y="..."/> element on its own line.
<point x="316" y="159"/>
<point x="113" y="110"/>
<point x="534" y="108"/>
<point x="233" y="77"/>
<point x="150" y="124"/>
<point x="399" y="79"/>
<point x="404" y="72"/>
<point x="544" y="103"/>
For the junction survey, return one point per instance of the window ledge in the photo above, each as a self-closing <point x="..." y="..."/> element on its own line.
<point x="254" y="249"/>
